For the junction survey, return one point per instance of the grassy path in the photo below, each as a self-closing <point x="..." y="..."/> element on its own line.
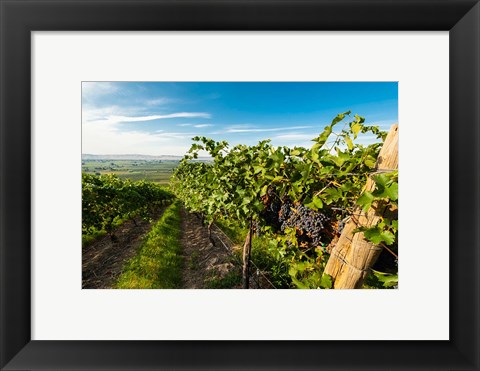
<point x="103" y="259"/>
<point x="158" y="263"/>
<point x="177" y="253"/>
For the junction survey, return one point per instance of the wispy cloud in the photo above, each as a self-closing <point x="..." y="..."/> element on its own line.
<point x="158" y="101"/>
<point x="103" y="115"/>
<point x="202" y="125"/>
<point x="294" y="137"/>
<point x="168" y="135"/>
<point x="101" y="140"/>
<point x="104" y="133"/>
<point x="108" y="138"/>
<point x="159" y="117"/>
<point x="184" y="124"/>
<point x="262" y="130"/>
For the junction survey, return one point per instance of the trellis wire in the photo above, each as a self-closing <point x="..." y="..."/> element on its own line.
<point x="251" y="261"/>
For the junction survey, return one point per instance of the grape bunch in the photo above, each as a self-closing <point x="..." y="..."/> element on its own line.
<point x="309" y="224"/>
<point x="270" y="213"/>
<point x="285" y="212"/>
<point x="282" y="213"/>
<point x="272" y="207"/>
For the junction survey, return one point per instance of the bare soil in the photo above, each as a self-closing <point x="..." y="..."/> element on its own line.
<point x="203" y="261"/>
<point x="103" y="260"/>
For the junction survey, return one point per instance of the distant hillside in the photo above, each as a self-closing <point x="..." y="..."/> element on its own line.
<point x="87" y="156"/>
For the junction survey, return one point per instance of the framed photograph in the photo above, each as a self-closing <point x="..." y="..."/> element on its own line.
<point x="243" y="215"/>
<point x="100" y="101"/>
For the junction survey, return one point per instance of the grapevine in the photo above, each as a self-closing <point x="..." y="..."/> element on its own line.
<point x="107" y="198"/>
<point x="289" y="194"/>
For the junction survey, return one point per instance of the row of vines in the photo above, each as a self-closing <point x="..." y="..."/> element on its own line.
<point x="107" y="199"/>
<point x="296" y="198"/>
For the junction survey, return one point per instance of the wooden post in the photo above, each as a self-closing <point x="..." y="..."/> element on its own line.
<point x="247" y="248"/>
<point x="353" y="255"/>
<point x="209" y="229"/>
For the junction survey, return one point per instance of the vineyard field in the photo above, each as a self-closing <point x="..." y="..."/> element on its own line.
<point x="158" y="171"/>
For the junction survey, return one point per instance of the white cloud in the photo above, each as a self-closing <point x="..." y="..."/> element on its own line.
<point x="108" y="139"/>
<point x="293" y="140"/>
<point x="174" y="135"/>
<point x="103" y="114"/>
<point x="260" y="130"/>
<point x="110" y="115"/>
<point x="184" y="125"/>
<point x="158" y="101"/>
<point x="202" y="125"/>
<point x="158" y="117"/>
<point x="103" y="133"/>
<point x="294" y="137"/>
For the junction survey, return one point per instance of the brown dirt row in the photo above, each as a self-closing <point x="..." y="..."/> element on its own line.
<point x="103" y="260"/>
<point x="203" y="261"/>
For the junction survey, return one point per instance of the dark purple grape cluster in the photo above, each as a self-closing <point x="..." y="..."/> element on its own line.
<point x="285" y="211"/>
<point x="270" y="213"/>
<point x="309" y="224"/>
<point x="281" y="213"/>
<point x="272" y="206"/>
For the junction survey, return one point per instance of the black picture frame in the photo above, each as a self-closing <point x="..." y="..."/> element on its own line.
<point x="18" y="18"/>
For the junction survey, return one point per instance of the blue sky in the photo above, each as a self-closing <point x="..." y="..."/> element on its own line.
<point x="160" y="118"/>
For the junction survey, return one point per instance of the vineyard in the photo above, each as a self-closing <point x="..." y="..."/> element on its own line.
<point x="259" y="216"/>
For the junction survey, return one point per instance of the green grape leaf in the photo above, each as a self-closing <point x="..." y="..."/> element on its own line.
<point x="387" y="279"/>
<point x="395" y="225"/>
<point x="365" y="200"/>
<point x="381" y="180"/>
<point x="370" y="162"/>
<point x="359" y="119"/>
<point x="349" y="142"/>
<point x="339" y="118"/>
<point x="377" y="235"/>
<point x="332" y="195"/>
<point x="326" y="281"/>
<point x="315" y="204"/>
<point x="322" y="138"/>
<point x="356" y="127"/>
<point x="392" y="191"/>
<point x="263" y="192"/>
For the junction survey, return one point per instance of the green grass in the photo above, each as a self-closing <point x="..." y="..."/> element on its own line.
<point x="193" y="261"/>
<point x="236" y="233"/>
<point x="231" y="280"/>
<point x="87" y="239"/>
<point x="261" y="254"/>
<point x="158" y="264"/>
